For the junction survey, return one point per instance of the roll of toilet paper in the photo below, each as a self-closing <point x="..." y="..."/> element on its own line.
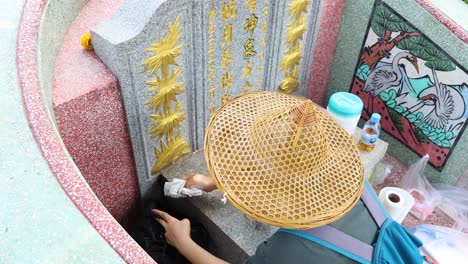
<point x="397" y="202"/>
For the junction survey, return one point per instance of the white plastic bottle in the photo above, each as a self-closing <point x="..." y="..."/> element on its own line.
<point x="370" y="133"/>
<point x="346" y="109"/>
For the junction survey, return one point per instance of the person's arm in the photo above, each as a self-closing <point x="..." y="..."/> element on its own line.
<point x="178" y="235"/>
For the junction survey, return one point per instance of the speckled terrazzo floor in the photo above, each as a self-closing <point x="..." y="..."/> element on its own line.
<point x="38" y="221"/>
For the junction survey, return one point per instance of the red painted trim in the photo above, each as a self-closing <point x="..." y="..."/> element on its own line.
<point x="445" y="20"/>
<point x="49" y="141"/>
<point x="330" y="20"/>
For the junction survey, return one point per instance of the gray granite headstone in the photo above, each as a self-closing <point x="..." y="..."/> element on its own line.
<point x="228" y="47"/>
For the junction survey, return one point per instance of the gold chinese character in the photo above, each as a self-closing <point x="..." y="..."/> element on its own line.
<point x="249" y="46"/>
<point x="265" y="11"/>
<point x="259" y="80"/>
<point x="247" y="70"/>
<point x="212" y="92"/>
<point x="211" y="27"/>
<point x="225" y="98"/>
<point x="212" y="14"/>
<point x="247" y="87"/>
<point x="226" y="58"/>
<point x="252" y="5"/>
<point x="262" y="55"/>
<point x="212" y="108"/>
<point x="260" y="69"/>
<point x="227" y="35"/>
<point x="263" y="42"/>
<point x="211" y="58"/>
<point x="211" y="76"/>
<point x="228" y="10"/>
<point x="251" y="23"/>
<point x="226" y="80"/>
<point x="264" y="27"/>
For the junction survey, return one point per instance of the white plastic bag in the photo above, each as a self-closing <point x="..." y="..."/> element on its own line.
<point x="454" y="202"/>
<point x="425" y="196"/>
<point x="443" y="244"/>
<point x="380" y="172"/>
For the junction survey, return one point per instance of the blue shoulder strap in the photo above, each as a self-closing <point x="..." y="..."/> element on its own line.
<point x="341" y="242"/>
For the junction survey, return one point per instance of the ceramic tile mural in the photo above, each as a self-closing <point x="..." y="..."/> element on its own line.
<point x="420" y="91"/>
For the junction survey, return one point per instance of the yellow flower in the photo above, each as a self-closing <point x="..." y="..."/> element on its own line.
<point x="86" y="41"/>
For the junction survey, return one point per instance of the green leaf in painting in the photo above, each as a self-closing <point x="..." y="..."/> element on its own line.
<point x="446" y="143"/>
<point x="420" y="136"/>
<point x="403" y="27"/>
<point x="363" y="72"/>
<point x="419" y="115"/>
<point x="391" y="103"/>
<point x="392" y="94"/>
<point x="399" y="109"/>
<point x="441" y="136"/>
<point x="440" y="65"/>
<point x="384" y="96"/>
<point x="435" y="54"/>
<point x="411" y="118"/>
<point x="396" y="119"/>
<point x="378" y="26"/>
<point x="449" y="135"/>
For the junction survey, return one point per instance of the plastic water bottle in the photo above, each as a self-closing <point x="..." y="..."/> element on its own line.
<point x="370" y="133"/>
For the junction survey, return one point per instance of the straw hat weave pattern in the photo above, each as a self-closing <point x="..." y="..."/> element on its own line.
<point x="283" y="161"/>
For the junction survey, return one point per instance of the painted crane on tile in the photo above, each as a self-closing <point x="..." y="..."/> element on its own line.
<point x="420" y="91"/>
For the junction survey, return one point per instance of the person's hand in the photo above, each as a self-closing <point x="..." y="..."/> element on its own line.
<point x="177" y="231"/>
<point x="199" y="181"/>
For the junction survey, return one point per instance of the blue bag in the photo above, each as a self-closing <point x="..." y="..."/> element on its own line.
<point x="394" y="245"/>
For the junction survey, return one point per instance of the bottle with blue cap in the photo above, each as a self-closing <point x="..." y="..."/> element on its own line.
<point x="370" y="133"/>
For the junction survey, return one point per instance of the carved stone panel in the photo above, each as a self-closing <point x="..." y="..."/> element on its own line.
<point x="178" y="61"/>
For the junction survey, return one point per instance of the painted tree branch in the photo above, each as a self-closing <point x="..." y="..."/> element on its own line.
<point x="388" y="34"/>
<point x="371" y="56"/>
<point x="404" y="35"/>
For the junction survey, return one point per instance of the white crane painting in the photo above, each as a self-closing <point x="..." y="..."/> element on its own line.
<point x="420" y="91"/>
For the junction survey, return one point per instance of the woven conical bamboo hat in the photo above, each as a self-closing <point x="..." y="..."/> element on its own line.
<point x="281" y="160"/>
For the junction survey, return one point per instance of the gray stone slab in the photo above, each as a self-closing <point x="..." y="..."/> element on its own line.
<point x="121" y="42"/>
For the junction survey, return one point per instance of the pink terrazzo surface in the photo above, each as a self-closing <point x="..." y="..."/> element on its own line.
<point x="94" y="130"/>
<point x="50" y="143"/>
<point x="332" y="12"/>
<point x="78" y="71"/>
<point x="91" y="119"/>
